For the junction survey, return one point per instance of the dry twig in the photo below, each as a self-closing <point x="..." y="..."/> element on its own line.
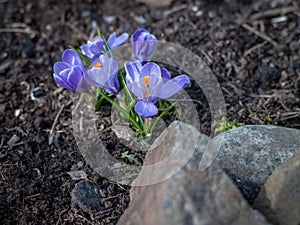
<point x="274" y="12"/>
<point x="56" y="118"/>
<point x="260" y="34"/>
<point x="174" y="10"/>
<point x="254" y="48"/>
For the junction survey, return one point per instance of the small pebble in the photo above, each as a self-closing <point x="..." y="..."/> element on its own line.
<point x="195" y="8"/>
<point x="109" y="19"/>
<point x="17" y="112"/>
<point x="296" y="65"/>
<point x="77" y="166"/>
<point x="140" y="19"/>
<point x="13" y="140"/>
<point x="279" y="19"/>
<point x="28" y="46"/>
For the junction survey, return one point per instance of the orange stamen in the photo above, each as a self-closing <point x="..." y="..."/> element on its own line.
<point x="147" y="90"/>
<point x="97" y="65"/>
<point x="146" y="79"/>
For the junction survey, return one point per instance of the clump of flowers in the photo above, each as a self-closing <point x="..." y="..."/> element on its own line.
<point x="144" y="82"/>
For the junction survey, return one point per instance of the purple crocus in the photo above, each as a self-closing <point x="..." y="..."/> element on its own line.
<point x="94" y="48"/>
<point x="143" y="44"/>
<point x="69" y="72"/>
<point x="104" y="73"/>
<point x="150" y="83"/>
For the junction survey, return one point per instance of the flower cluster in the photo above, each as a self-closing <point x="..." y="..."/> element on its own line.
<point x="144" y="82"/>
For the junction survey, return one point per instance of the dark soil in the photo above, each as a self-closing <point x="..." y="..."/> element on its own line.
<point x="255" y="58"/>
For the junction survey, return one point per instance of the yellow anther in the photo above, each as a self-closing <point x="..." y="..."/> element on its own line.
<point x="146" y="79"/>
<point x="146" y="87"/>
<point x="97" y="65"/>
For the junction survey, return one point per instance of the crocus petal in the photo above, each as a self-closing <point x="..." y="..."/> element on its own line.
<point x="74" y="76"/>
<point x="133" y="70"/>
<point x="114" y="41"/>
<point x="137" y="34"/>
<point x="70" y="56"/>
<point x="93" y="77"/>
<point x="113" y="67"/>
<point x="145" y="109"/>
<point x="111" y="39"/>
<point x="93" y="47"/>
<point x="137" y="45"/>
<point x="82" y="86"/>
<point x="165" y="74"/>
<point x="146" y="49"/>
<point x="150" y="69"/>
<point x="156" y="84"/>
<point x="137" y="90"/>
<point x="182" y="80"/>
<point x="143" y="44"/>
<point x="104" y="76"/>
<point x="85" y="49"/>
<point x="60" y="66"/>
<point x="97" y="47"/>
<point x="112" y="85"/>
<point x="104" y="61"/>
<point x="173" y="86"/>
<point x="61" y="82"/>
<point x="69" y="73"/>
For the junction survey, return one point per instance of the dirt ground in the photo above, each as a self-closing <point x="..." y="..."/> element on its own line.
<point x="252" y="47"/>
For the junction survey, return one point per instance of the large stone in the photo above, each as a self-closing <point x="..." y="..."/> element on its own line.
<point x="249" y="154"/>
<point x="279" y="199"/>
<point x="189" y="197"/>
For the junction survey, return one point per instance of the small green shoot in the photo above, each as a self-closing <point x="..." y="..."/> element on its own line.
<point x="268" y="118"/>
<point x="226" y="125"/>
<point x="131" y="157"/>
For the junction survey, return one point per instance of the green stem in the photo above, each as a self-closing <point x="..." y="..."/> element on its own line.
<point x="107" y="48"/>
<point x="147" y="124"/>
<point x="160" y="116"/>
<point x="121" y="110"/>
<point x="99" y="102"/>
<point x="129" y="100"/>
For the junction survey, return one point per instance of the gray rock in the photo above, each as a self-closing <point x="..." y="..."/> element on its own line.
<point x="279" y="199"/>
<point x="189" y="197"/>
<point x="87" y="196"/>
<point x="249" y="154"/>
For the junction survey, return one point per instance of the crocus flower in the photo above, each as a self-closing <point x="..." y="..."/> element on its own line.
<point x="150" y="83"/>
<point x="104" y="73"/>
<point x="69" y="72"/>
<point x="94" y="48"/>
<point x="143" y="44"/>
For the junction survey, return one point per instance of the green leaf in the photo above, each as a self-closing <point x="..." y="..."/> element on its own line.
<point x="124" y="154"/>
<point x="123" y="111"/>
<point x="161" y="115"/>
<point x="106" y="45"/>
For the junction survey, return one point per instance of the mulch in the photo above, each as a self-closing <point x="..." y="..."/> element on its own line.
<point x="253" y="48"/>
